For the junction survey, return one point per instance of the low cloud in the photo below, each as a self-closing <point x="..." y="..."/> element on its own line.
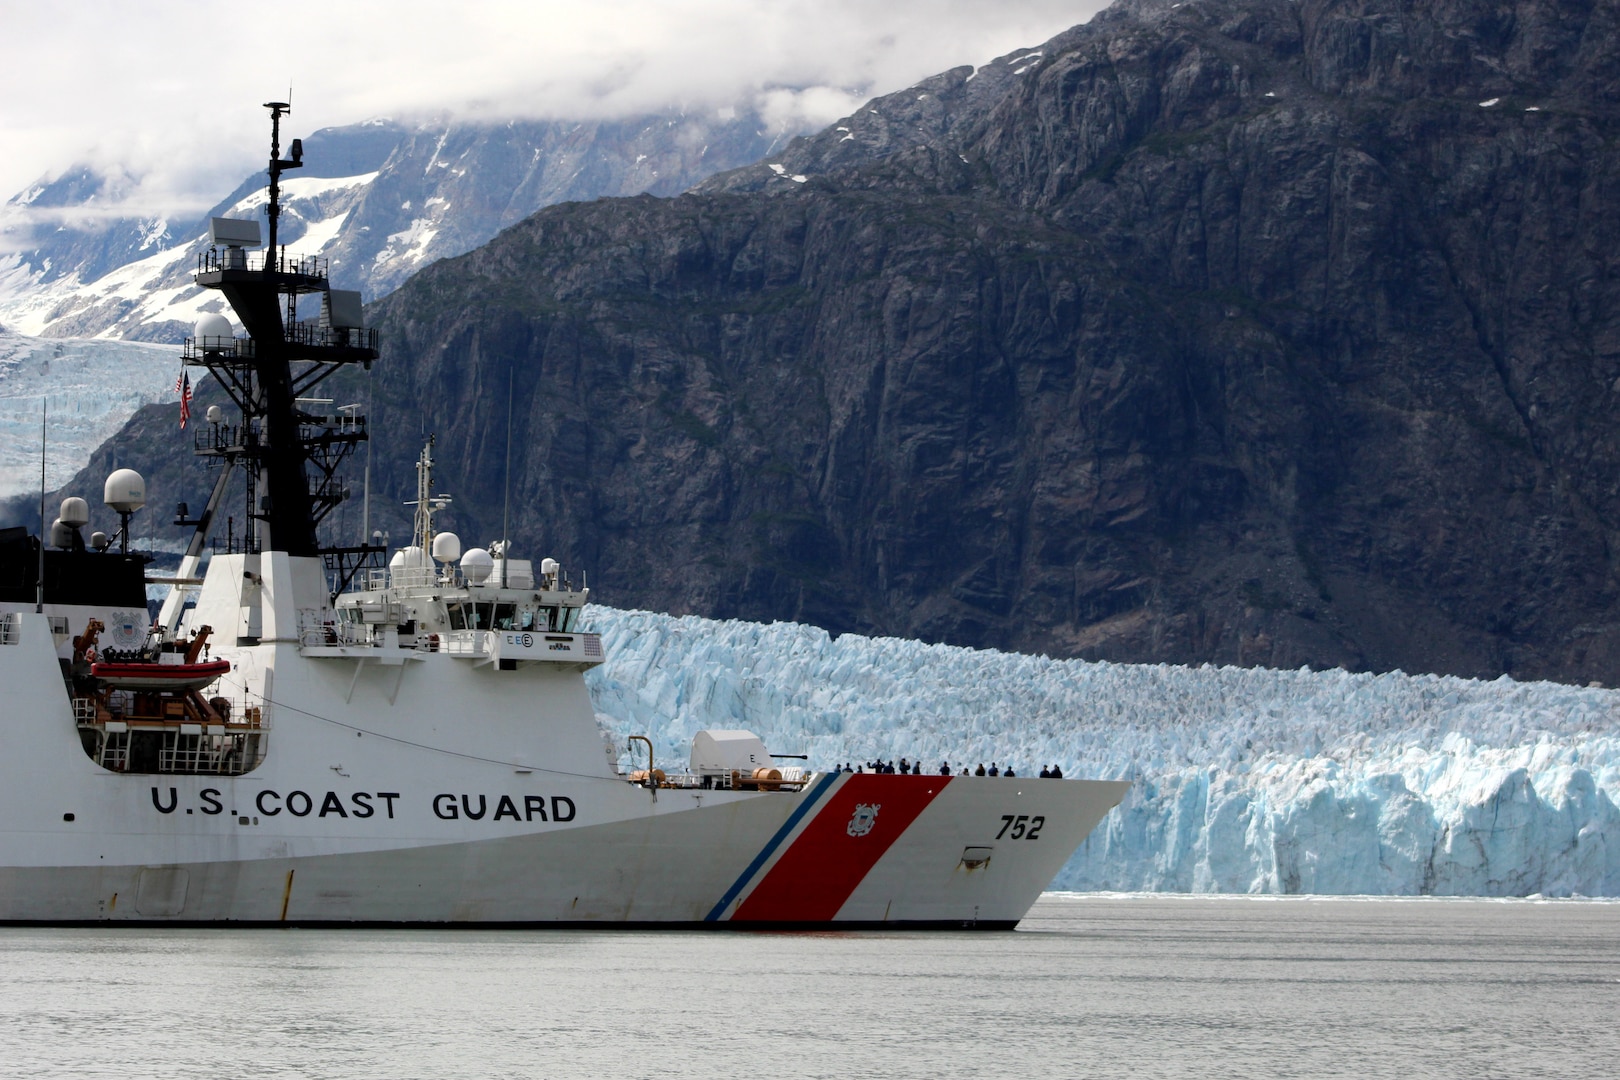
<point x="170" y="91"/>
<point x="20" y="227"/>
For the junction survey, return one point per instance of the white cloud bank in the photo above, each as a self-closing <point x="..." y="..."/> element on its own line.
<point x="170" y="89"/>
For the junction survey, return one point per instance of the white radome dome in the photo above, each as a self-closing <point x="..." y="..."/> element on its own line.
<point x="447" y="547"/>
<point x="476" y="565"/>
<point x="408" y="558"/>
<point x="406" y="565"/>
<point x="212" y="325"/>
<point x="75" y="512"/>
<point x="125" y="491"/>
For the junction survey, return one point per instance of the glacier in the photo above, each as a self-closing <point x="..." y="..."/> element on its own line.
<point x="1244" y="780"/>
<point x="90" y="386"/>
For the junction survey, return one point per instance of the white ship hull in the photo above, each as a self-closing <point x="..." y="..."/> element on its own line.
<point x="381" y="800"/>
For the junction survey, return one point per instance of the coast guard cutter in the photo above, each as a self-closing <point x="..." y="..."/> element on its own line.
<point x="320" y="739"/>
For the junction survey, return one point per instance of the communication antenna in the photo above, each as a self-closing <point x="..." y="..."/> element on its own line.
<point x="365" y="503"/>
<point x="506" y="500"/>
<point x="427" y="504"/>
<point x="295" y="160"/>
<point x="39" y="591"/>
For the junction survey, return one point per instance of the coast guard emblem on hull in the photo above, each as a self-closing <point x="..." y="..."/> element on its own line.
<point x="127" y="629"/>
<point x="865" y="817"/>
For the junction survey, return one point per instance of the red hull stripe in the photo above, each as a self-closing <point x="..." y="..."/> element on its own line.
<point x="159" y="673"/>
<point x="832" y="856"/>
<point x="806" y="801"/>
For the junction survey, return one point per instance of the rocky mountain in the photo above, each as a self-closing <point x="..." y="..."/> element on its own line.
<point x="61" y="218"/>
<point x="1239" y="331"/>
<point x="380" y="199"/>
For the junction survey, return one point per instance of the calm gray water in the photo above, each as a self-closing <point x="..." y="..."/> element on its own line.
<point x="1090" y="986"/>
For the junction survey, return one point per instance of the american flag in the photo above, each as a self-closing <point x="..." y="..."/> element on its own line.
<point x="183" y="384"/>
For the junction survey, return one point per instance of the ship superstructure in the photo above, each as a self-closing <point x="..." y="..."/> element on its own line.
<point x="308" y="735"/>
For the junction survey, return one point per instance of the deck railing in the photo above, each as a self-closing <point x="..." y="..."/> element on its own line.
<point x="214" y="259"/>
<point x="467" y="642"/>
<point x="185" y="746"/>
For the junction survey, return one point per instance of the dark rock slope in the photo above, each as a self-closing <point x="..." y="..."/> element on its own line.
<point x="1243" y="331"/>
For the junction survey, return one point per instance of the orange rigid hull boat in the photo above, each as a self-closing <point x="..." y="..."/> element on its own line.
<point x="140" y="676"/>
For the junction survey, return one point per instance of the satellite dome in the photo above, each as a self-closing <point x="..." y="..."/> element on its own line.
<point x="99" y="541"/>
<point x="75" y="512"/>
<point x="412" y="557"/>
<point x="447" y="547"/>
<point x="476" y="566"/>
<point x="213" y="325"/>
<point x="406" y="567"/>
<point x="215" y="414"/>
<point x="61" y="535"/>
<point x="125" y="491"/>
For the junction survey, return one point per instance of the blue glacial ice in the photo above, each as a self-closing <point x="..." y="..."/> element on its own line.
<point x="1244" y="780"/>
<point x="91" y="387"/>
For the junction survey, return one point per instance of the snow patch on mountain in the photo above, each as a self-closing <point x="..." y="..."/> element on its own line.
<point x="409" y="245"/>
<point x="158" y="288"/>
<point x="299" y="189"/>
<point x="1243" y="780"/>
<point x="137" y="291"/>
<point x="318" y="235"/>
<point x="17" y="280"/>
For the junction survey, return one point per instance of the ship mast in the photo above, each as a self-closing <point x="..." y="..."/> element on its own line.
<point x="427" y="504"/>
<point x="290" y="456"/>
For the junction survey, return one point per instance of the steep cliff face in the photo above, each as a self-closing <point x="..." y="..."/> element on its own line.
<point x="1244" y="331"/>
<point x="1251" y="332"/>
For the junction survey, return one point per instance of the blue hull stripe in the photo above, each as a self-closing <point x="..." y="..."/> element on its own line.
<point x="805" y="803"/>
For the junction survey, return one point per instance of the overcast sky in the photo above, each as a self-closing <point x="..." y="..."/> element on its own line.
<point x="171" y="89"/>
